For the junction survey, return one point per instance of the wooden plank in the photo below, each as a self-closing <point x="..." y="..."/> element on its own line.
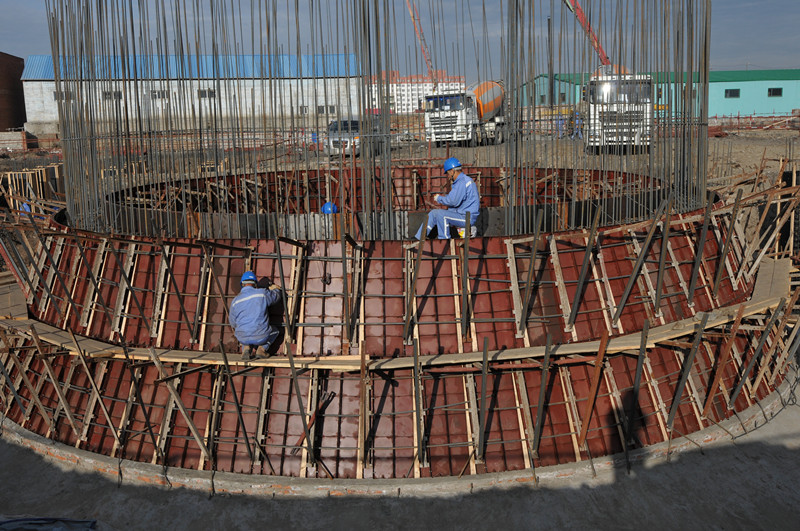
<point x="471" y="417"/>
<point x="123" y="292"/>
<point x="767" y="358"/>
<point x="312" y="402"/>
<point x="89" y="298"/>
<point x="159" y="300"/>
<point x="516" y="296"/>
<point x="72" y="285"/>
<point x="67" y="382"/>
<point x="23" y="374"/>
<point x="561" y="288"/>
<point x="101" y="370"/>
<point x="703" y="275"/>
<point x="616" y="400"/>
<point x="44" y="302"/>
<point x="655" y="398"/>
<point x="612" y="306"/>
<point x="598" y="371"/>
<point x="263" y="413"/>
<point x="727" y="263"/>
<point x="722" y="361"/>
<point x="651" y="290"/>
<point x="791" y="344"/>
<point x="96" y="396"/>
<point x="32" y="276"/>
<point x="524" y="417"/>
<point x="125" y="418"/>
<point x="572" y="410"/>
<point x="212" y="423"/>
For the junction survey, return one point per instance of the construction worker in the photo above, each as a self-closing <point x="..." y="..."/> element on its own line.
<point x="577" y="126"/>
<point x="463" y="198"/>
<point x="249" y="316"/>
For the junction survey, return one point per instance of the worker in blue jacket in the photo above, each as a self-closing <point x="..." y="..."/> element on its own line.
<point x="249" y="316"/>
<point x="463" y="198"/>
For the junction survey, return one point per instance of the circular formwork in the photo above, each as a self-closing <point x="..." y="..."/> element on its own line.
<point x="397" y="359"/>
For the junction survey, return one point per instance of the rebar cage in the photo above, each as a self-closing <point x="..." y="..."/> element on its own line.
<point x="195" y="119"/>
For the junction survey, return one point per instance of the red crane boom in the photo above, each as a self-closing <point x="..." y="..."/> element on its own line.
<point x="575" y="7"/>
<point x="412" y="10"/>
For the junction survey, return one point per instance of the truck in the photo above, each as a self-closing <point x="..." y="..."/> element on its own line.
<point x="474" y="116"/>
<point x="617" y="106"/>
<point x="617" y="110"/>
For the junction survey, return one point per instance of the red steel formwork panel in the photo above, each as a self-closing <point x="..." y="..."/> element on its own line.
<point x="450" y="443"/>
<point x="391" y="430"/>
<point x="490" y="299"/>
<point x="602" y="437"/>
<point x="434" y="296"/>
<point x="196" y="390"/>
<point x="647" y="419"/>
<point x="591" y="321"/>
<point x="284" y="423"/>
<point x="556" y="444"/>
<point x="223" y="283"/>
<point x="144" y="420"/>
<point x="97" y="435"/>
<point x="322" y="317"/>
<point x="337" y="424"/>
<point x="503" y="448"/>
<point x="139" y="307"/>
<point x="384" y="299"/>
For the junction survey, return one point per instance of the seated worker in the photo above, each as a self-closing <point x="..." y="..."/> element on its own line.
<point x="463" y="198"/>
<point x="249" y="316"/>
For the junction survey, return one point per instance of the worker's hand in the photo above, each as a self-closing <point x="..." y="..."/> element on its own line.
<point x="274" y="286"/>
<point x="436" y="198"/>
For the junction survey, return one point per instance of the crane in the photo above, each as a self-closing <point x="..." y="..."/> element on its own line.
<point x="412" y="10"/>
<point x="576" y="8"/>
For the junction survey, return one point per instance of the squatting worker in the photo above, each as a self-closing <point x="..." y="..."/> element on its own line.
<point x="463" y="198"/>
<point x="249" y="316"/>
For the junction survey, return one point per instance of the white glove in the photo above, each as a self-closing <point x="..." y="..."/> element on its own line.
<point x="436" y="198"/>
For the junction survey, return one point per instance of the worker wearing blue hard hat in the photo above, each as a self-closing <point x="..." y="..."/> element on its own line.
<point x="249" y="316"/>
<point x="462" y="199"/>
<point x="330" y="208"/>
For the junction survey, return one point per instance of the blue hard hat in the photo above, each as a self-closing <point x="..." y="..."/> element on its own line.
<point x="248" y="276"/>
<point x="330" y="208"/>
<point x="451" y="163"/>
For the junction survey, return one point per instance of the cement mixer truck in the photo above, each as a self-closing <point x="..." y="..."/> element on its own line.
<point x="474" y="116"/>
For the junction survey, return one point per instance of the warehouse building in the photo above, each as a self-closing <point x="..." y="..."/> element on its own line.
<point x="734" y="93"/>
<point x="150" y="91"/>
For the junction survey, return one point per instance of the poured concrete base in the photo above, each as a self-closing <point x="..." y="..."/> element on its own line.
<point x="746" y="482"/>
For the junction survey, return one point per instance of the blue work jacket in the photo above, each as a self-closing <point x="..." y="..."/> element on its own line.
<point x="249" y="314"/>
<point x="463" y="197"/>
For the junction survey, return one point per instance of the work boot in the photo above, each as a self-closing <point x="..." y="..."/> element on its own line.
<point x="248" y="352"/>
<point x="261" y="352"/>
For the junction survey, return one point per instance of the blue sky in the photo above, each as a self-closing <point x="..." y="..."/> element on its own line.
<point x="745" y="34"/>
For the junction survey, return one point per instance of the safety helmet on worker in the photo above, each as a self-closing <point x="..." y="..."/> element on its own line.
<point x="249" y="276"/>
<point x="451" y="163"/>
<point x="330" y="208"/>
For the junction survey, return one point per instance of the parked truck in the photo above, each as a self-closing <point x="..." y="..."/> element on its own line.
<point x="618" y="110"/>
<point x="474" y="116"/>
<point x="617" y="106"/>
